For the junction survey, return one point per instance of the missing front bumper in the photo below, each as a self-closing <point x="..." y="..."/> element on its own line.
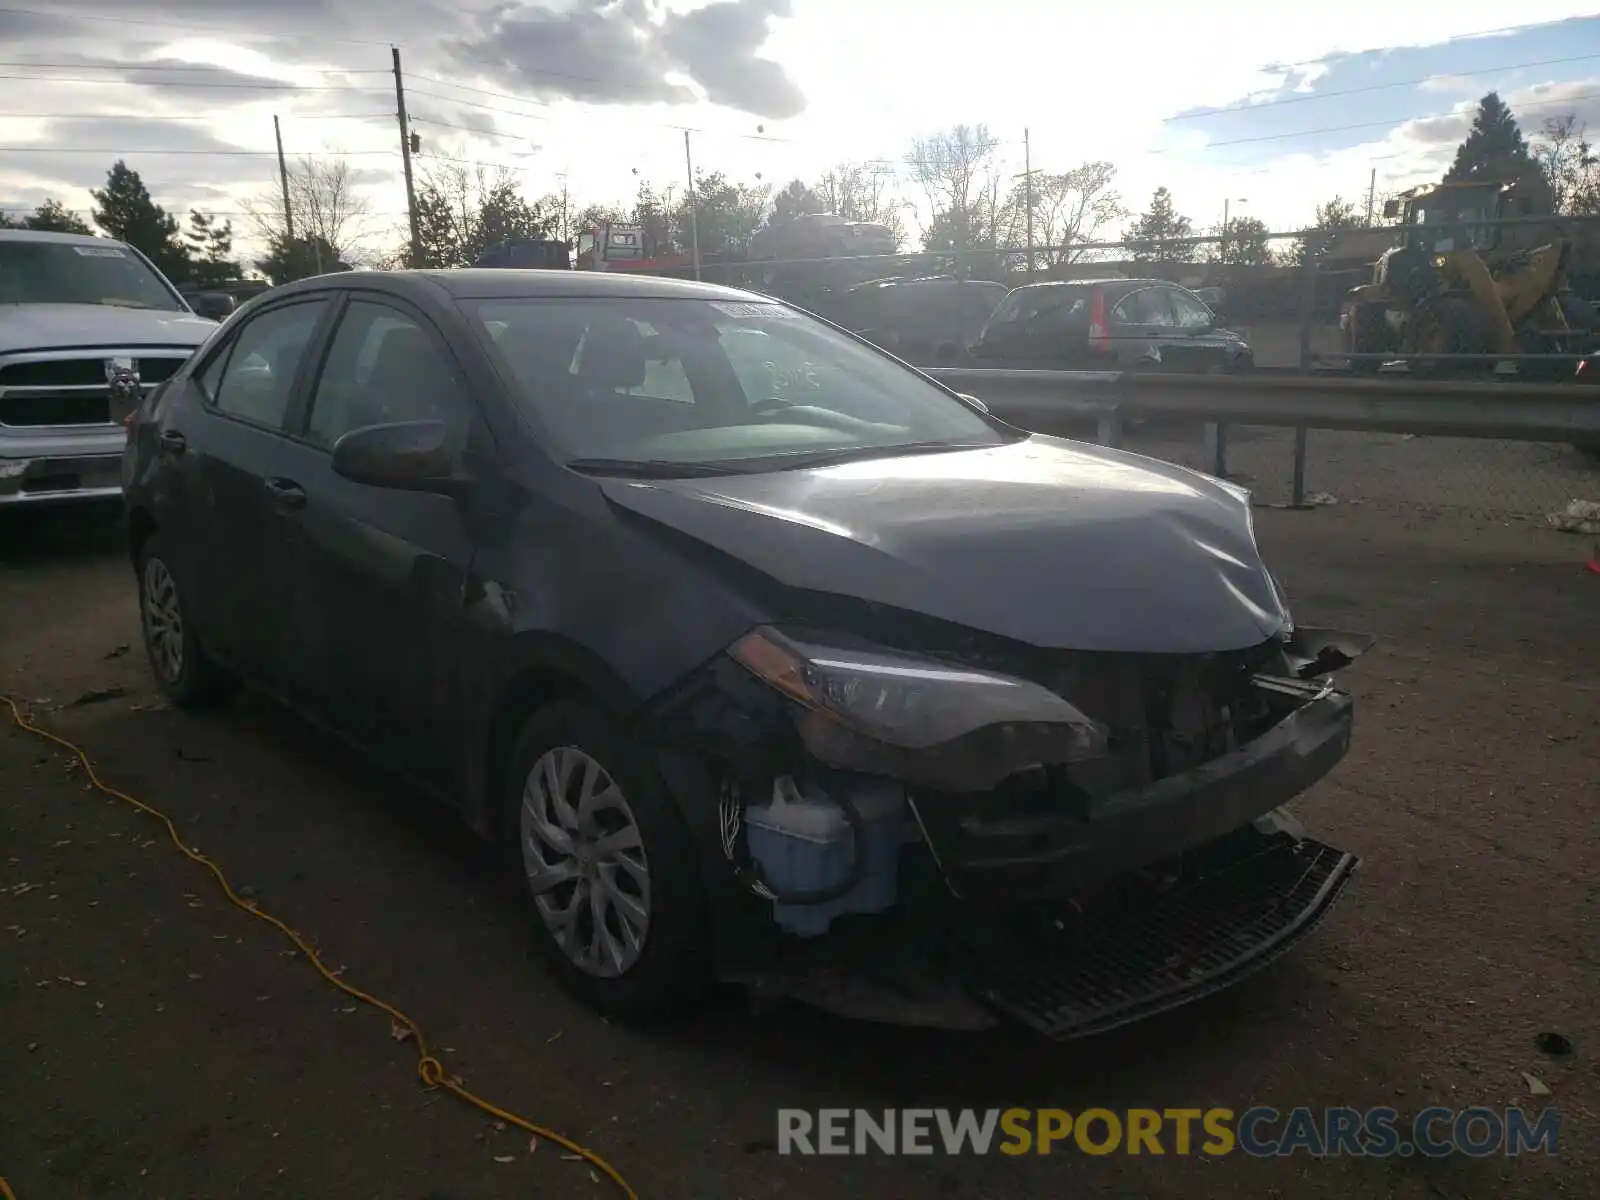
<point x="1189" y="943"/>
<point x="1066" y="973"/>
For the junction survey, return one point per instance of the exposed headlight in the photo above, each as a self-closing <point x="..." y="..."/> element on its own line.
<point x="917" y="719"/>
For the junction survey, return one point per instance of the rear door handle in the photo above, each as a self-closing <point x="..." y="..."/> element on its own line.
<point x="173" y="442"/>
<point x="287" y="495"/>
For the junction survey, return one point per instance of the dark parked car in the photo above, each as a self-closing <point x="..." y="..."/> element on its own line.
<point x="768" y="658"/>
<point x="1111" y="324"/>
<point x="926" y="320"/>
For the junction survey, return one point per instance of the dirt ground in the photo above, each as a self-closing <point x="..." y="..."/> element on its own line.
<point x="157" y="1043"/>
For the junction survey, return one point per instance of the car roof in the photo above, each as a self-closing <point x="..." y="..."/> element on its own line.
<point x="908" y="282"/>
<point x="508" y="283"/>
<point x="1120" y="283"/>
<point x="69" y="239"/>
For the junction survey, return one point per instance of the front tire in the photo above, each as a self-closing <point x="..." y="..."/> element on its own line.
<point x="618" y="908"/>
<point x="184" y="672"/>
<point x="1447" y="325"/>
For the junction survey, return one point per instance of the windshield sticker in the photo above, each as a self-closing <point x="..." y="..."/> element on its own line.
<point x="99" y="252"/>
<point x="740" y="308"/>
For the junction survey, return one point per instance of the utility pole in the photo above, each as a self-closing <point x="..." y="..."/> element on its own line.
<point x="1372" y="191"/>
<point x="283" y="178"/>
<point x="694" y="207"/>
<point x="1027" y="191"/>
<point x="405" y="158"/>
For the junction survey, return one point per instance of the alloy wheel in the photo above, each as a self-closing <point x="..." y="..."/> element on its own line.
<point x="585" y="861"/>
<point x="163" y="621"/>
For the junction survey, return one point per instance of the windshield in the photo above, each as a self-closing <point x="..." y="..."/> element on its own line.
<point x="687" y="381"/>
<point x="43" y="272"/>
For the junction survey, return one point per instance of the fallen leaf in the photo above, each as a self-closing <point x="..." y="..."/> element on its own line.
<point x="1536" y="1086"/>
<point x="97" y="695"/>
<point x="117" y="651"/>
<point x="505" y="1158"/>
<point x="398" y="1031"/>
<point x="499" y="1126"/>
<point x="533" y="1144"/>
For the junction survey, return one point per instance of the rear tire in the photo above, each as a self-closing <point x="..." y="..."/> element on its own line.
<point x="619" y="911"/>
<point x="186" y="675"/>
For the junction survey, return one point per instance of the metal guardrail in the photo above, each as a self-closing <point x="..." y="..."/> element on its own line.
<point x="1525" y="412"/>
<point x="1063" y="401"/>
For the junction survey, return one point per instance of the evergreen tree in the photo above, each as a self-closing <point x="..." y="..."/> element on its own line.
<point x="53" y="217"/>
<point x="795" y="200"/>
<point x="1151" y="234"/>
<point x="1494" y="148"/>
<point x="125" y="211"/>
<point x="210" y="249"/>
<point x="301" y="258"/>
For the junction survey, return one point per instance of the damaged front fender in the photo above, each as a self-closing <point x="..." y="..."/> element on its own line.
<point x="1314" y="652"/>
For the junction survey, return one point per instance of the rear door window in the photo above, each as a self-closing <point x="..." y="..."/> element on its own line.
<point x="1147" y="306"/>
<point x="1189" y="312"/>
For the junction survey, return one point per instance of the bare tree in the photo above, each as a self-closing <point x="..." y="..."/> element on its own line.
<point x="460" y="214"/>
<point x="863" y="192"/>
<point x="1570" y="167"/>
<point x="1069" y="209"/>
<point x="324" y="206"/>
<point x="958" y="173"/>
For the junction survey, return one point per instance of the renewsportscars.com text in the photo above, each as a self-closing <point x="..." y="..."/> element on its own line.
<point x="1258" y="1132"/>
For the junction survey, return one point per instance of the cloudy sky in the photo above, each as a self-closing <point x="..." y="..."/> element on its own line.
<point x="1271" y="106"/>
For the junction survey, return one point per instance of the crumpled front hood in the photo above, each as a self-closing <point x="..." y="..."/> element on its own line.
<point x="1058" y="544"/>
<point x="66" y="326"/>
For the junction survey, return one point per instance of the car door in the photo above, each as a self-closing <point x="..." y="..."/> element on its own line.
<point x="1198" y="345"/>
<point x="381" y="575"/>
<point x="225" y="433"/>
<point x="1140" y="327"/>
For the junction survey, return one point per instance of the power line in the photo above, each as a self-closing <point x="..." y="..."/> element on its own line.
<point x="146" y="118"/>
<point x="480" y="91"/>
<point x="186" y="83"/>
<point x="175" y="67"/>
<point x="1389" y="124"/>
<point x="207" y="29"/>
<point x="1271" y="137"/>
<point x="192" y="152"/>
<point x="1376" y="87"/>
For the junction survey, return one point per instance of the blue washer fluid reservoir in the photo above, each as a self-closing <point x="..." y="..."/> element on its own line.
<point x="802" y="842"/>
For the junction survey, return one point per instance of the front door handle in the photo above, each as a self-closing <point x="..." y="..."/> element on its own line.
<point x="287" y="495"/>
<point x="173" y="442"/>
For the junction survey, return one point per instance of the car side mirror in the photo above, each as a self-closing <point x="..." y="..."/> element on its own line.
<point x="411" y="456"/>
<point x="1391" y="209"/>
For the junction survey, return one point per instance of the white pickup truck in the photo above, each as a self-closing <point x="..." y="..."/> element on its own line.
<point x="88" y="326"/>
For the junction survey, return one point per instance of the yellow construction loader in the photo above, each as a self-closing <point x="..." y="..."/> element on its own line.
<point x="1455" y="286"/>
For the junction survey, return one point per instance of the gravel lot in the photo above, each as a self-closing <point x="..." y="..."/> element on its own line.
<point x="155" y="1042"/>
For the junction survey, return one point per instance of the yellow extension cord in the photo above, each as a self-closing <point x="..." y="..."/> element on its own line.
<point x="429" y="1068"/>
